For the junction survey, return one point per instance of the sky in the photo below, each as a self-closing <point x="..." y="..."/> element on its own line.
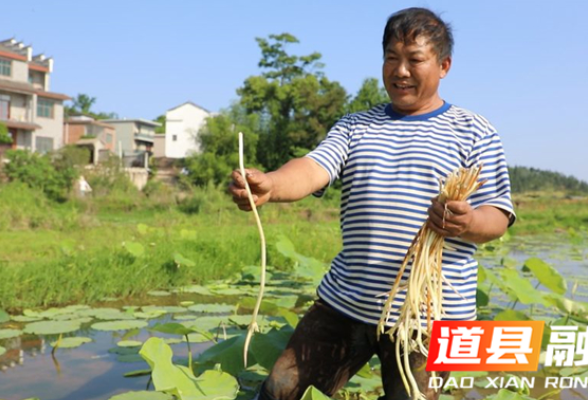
<point x="521" y="64"/>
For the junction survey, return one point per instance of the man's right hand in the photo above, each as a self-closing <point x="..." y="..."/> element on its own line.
<point x="261" y="186"/>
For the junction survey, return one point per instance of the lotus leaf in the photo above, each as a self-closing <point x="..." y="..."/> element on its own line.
<point x="129" y="343"/>
<point x="165" y="309"/>
<point x="180" y="381"/>
<point x="185" y="317"/>
<point x="51" y="327"/>
<point x="186" y="303"/>
<point x="158" y="293"/>
<point x="267" y="348"/>
<point x="2" y="350"/>
<point x="135" y="249"/>
<point x="172" y="328"/>
<point x="4" y="316"/>
<point x="547" y="275"/>
<point x="119" y="325"/>
<point x="212" y="308"/>
<point x="106" y="314"/>
<point x="129" y="358"/>
<point x="71" y="342"/>
<point x="143" y="395"/>
<point x="138" y="372"/>
<point x="512" y="315"/>
<point x="204" y="323"/>
<point x="230" y="292"/>
<point x="229" y="354"/>
<point x="122" y="351"/>
<point x="521" y="287"/>
<point x="188" y="234"/>
<point x="9" y="333"/>
<point x="195" y="289"/>
<point x="180" y="260"/>
<point x="25" y="318"/>
<point x="197" y="338"/>
<point x="313" y="393"/>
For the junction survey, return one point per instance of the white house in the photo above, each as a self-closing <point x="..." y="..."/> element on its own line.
<point x="182" y="124"/>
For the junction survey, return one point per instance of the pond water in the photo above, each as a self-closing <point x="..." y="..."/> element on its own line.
<point x="90" y="372"/>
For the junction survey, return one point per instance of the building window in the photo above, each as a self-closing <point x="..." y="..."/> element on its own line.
<point x="4" y="106"/>
<point x="5" y="67"/>
<point x="174" y="138"/>
<point x="108" y="138"/>
<point x="45" y="108"/>
<point x="43" y="144"/>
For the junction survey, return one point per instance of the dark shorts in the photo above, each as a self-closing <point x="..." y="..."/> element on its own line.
<point x="328" y="348"/>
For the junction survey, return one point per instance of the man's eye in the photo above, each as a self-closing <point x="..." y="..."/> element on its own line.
<point x="416" y="60"/>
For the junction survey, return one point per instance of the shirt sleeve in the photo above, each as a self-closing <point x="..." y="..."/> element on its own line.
<point x="332" y="152"/>
<point x="495" y="191"/>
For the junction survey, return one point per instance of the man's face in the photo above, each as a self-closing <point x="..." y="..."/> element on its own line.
<point x="411" y="75"/>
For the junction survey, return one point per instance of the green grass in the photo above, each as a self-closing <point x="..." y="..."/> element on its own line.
<point x="546" y="213"/>
<point x="55" y="254"/>
<point x="88" y="262"/>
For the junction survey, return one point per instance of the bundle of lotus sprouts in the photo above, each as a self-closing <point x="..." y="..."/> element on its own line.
<point x="424" y="287"/>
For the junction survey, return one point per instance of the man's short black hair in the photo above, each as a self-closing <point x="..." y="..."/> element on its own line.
<point x="408" y="24"/>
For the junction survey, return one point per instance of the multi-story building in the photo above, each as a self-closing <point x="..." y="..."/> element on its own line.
<point x="134" y="138"/>
<point x="182" y="124"/>
<point x="31" y="112"/>
<point x="85" y="131"/>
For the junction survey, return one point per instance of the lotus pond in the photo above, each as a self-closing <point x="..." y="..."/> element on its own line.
<point x="110" y="349"/>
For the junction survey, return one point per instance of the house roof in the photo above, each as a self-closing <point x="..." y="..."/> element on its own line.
<point x="52" y="95"/>
<point x="135" y="121"/>
<point x="27" y="88"/>
<point x="27" y="126"/>
<point x="18" y="87"/>
<point x="189" y="103"/>
<point x="87" y="121"/>
<point x="17" y="50"/>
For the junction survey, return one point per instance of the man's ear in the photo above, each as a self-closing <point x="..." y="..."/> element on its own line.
<point x="445" y="66"/>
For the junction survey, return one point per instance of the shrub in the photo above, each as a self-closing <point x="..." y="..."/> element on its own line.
<point x="39" y="172"/>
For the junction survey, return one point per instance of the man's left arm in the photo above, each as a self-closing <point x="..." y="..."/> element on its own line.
<point x="459" y="218"/>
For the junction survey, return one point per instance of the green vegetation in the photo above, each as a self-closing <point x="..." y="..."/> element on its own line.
<point x="524" y="179"/>
<point x="284" y="112"/>
<point x="82" y="104"/>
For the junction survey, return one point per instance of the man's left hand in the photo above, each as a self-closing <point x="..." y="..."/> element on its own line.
<point x="451" y="219"/>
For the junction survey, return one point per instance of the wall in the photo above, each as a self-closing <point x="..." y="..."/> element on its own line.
<point x="184" y="123"/>
<point x="20" y="71"/>
<point x="159" y="146"/>
<point x="51" y="127"/>
<point x="18" y="107"/>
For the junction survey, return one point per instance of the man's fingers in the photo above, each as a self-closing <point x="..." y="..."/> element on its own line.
<point x="458" y="207"/>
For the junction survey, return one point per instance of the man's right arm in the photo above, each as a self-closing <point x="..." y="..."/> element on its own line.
<point x="293" y="181"/>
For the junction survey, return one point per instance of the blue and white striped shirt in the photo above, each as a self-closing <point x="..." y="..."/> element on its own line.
<point x="390" y="165"/>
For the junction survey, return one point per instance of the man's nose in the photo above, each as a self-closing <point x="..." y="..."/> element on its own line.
<point x="401" y="70"/>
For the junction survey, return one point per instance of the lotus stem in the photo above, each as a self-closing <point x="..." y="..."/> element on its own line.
<point x="253" y="327"/>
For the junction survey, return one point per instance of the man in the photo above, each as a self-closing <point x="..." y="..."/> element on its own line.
<point x="390" y="160"/>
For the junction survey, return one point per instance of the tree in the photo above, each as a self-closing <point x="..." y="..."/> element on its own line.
<point x="219" y="145"/>
<point x="5" y="137"/>
<point x="369" y="95"/>
<point x="160" y="120"/>
<point x="295" y="103"/>
<point x="83" y="103"/>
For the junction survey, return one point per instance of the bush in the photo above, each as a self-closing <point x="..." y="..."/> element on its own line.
<point x="39" y="172"/>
